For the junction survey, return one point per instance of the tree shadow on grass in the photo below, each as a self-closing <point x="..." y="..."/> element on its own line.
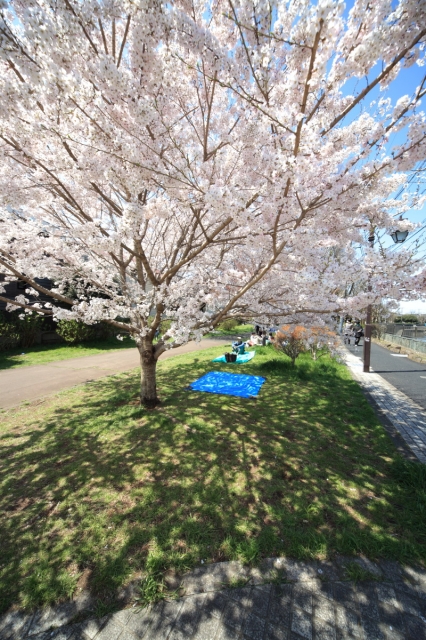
<point x="101" y="490"/>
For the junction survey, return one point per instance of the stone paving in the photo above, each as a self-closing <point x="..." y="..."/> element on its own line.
<point x="408" y="418"/>
<point x="306" y="601"/>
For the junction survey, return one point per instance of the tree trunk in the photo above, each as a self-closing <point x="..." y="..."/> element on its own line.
<point x="149" y="397"/>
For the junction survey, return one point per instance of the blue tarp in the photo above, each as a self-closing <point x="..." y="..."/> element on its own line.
<point x="229" y="384"/>
<point x="245" y="357"/>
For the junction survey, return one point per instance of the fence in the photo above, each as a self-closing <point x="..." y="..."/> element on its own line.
<point x="410" y="343"/>
<point x="415" y="332"/>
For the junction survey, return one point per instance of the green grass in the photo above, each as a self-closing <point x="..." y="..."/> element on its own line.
<point x="43" y="354"/>
<point x="236" y="331"/>
<point x="356" y="573"/>
<point x="95" y="491"/>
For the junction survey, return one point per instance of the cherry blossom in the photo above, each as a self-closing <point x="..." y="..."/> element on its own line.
<point x="197" y="160"/>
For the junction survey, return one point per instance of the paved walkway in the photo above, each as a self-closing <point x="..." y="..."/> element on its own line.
<point x="401" y="372"/>
<point x="34" y="382"/>
<point x="310" y="601"/>
<point x="407" y="417"/>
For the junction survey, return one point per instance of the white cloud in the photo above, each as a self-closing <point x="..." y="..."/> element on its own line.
<point x="413" y="306"/>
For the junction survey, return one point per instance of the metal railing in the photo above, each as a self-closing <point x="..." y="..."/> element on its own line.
<point x="416" y="332"/>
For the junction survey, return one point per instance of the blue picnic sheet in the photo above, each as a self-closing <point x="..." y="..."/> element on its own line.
<point x="229" y="384"/>
<point x="245" y="357"/>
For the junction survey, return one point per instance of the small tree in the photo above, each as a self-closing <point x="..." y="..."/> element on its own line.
<point x="292" y="341"/>
<point x="321" y="340"/>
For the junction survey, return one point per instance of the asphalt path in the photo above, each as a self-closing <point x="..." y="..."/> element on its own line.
<point x="404" y="374"/>
<point x="26" y="384"/>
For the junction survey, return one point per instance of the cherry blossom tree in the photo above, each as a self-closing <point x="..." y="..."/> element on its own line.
<point x="194" y="160"/>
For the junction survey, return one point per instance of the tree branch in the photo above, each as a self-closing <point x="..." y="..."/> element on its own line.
<point x="124" y="40"/>
<point x="375" y="82"/>
<point x="15" y="303"/>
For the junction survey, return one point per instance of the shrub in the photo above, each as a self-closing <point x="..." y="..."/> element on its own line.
<point x="73" y="331"/>
<point x="407" y="318"/>
<point x="28" y="325"/>
<point x="19" y="329"/>
<point x="9" y="337"/>
<point x="228" y="325"/>
<point x="294" y="340"/>
<point x="291" y="340"/>
<point x="103" y="331"/>
<point x="377" y="330"/>
<point x="164" y="327"/>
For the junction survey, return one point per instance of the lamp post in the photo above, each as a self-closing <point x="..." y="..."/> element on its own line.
<point x="398" y="237"/>
<point x="367" y="330"/>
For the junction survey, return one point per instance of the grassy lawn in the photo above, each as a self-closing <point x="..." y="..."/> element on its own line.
<point x="96" y="491"/>
<point x="43" y="354"/>
<point x="235" y="331"/>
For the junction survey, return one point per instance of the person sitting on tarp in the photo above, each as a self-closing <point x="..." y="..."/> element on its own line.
<point x="238" y="346"/>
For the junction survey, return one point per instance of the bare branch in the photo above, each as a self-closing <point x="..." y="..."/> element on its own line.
<point x="126" y="31"/>
<point x="103" y="36"/>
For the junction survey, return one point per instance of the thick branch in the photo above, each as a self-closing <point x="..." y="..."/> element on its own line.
<point x="306" y="89"/>
<point x="124" y="40"/>
<point x="103" y="36"/>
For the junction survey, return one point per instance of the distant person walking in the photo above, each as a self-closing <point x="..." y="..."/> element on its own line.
<point x="358" y="334"/>
<point x="348" y="333"/>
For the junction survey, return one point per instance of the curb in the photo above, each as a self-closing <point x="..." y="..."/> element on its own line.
<point x="60" y="622"/>
<point x="403" y="419"/>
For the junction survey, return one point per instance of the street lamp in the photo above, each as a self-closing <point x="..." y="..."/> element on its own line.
<point x="398" y="237"/>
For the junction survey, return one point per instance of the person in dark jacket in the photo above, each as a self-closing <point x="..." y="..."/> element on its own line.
<point x="358" y="334"/>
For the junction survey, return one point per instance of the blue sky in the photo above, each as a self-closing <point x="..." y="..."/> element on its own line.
<point x="405" y="84"/>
